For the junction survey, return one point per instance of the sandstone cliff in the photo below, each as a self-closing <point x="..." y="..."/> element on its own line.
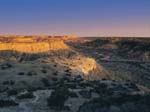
<point x="32" y="46"/>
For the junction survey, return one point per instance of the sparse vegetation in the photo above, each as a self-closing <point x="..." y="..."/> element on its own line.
<point x="7" y="103"/>
<point x="21" y="73"/>
<point x="106" y="102"/>
<point x="91" y="73"/>
<point x="103" y="90"/>
<point x="44" y="71"/>
<point x="54" y="79"/>
<point x="55" y="73"/>
<point x="31" y="73"/>
<point x="73" y="94"/>
<point x="12" y="92"/>
<point x="6" y="83"/>
<point x="97" y="42"/>
<point x="45" y="82"/>
<point x="27" y="95"/>
<point x="9" y="82"/>
<point x="85" y="94"/>
<point x="6" y="66"/>
<point x="58" y="98"/>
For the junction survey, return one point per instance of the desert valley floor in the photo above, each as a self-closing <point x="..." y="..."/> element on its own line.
<point x="70" y="74"/>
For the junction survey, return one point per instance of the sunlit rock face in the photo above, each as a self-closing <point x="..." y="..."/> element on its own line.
<point x="86" y="67"/>
<point x="32" y="46"/>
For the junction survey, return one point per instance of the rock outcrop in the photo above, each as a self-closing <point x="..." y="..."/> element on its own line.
<point x="29" y="45"/>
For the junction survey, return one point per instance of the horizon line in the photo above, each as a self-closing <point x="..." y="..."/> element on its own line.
<point x="7" y="35"/>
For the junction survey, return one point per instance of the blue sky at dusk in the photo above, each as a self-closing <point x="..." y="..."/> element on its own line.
<point x="75" y="17"/>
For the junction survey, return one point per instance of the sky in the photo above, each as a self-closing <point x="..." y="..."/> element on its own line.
<point x="75" y="17"/>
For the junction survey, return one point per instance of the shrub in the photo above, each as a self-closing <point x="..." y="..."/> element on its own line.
<point x="45" y="82"/>
<point x="9" y="82"/>
<point x="44" y="71"/>
<point x="26" y="95"/>
<point x="7" y="103"/>
<point x="55" y="73"/>
<point x="58" y="98"/>
<point x="21" y="73"/>
<point x="85" y="94"/>
<point x="6" y="66"/>
<point x="12" y="92"/>
<point x="31" y="73"/>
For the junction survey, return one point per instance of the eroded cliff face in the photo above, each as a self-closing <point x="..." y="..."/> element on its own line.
<point x="33" y="47"/>
<point x="47" y="49"/>
<point x="29" y="45"/>
<point x="84" y="66"/>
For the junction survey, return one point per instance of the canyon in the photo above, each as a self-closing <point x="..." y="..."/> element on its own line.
<point x="73" y="74"/>
<point x="19" y="49"/>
